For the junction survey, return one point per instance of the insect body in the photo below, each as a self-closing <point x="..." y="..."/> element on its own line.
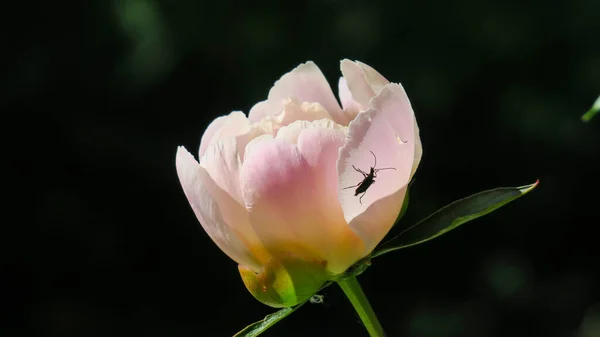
<point x="368" y="179"/>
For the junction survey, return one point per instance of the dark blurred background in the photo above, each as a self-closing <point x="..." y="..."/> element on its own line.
<point x="103" y="92"/>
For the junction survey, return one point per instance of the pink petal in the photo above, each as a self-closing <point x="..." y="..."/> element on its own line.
<point x="253" y="131"/>
<point x="222" y="162"/>
<point x="209" y="133"/>
<point x="364" y="82"/>
<point x="373" y="78"/>
<point x="223" y="219"/>
<point x="351" y="107"/>
<point x="305" y="83"/>
<point x="357" y="83"/>
<point x="295" y="110"/>
<point x="223" y="127"/>
<point x="290" y="193"/>
<point x="291" y="133"/>
<point x="223" y="158"/>
<point x="264" y="109"/>
<point x="393" y="102"/>
<point x="375" y="222"/>
<point x="370" y="131"/>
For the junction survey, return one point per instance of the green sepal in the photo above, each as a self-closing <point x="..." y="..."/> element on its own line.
<point x="452" y="216"/>
<point x="286" y="280"/>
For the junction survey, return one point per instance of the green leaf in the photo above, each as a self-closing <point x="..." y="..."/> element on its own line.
<point x="454" y="215"/>
<point x="592" y="112"/>
<point x="261" y="326"/>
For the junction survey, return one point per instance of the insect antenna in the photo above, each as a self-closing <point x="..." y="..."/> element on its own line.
<point x="386" y="168"/>
<point x="374" y="157"/>
<point x="381" y="169"/>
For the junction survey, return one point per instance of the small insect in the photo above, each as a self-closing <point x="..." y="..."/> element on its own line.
<point x="369" y="179"/>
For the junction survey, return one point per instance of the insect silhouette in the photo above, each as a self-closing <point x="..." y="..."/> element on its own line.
<point x="368" y="179"/>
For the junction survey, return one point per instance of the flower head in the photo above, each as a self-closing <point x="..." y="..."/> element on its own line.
<point x="271" y="190"/>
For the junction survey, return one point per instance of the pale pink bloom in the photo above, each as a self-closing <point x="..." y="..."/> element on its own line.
<point x="272" y="183"/>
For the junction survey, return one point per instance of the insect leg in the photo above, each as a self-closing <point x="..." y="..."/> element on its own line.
<point x="345" y="188"/>
<point x="361" y="196"/>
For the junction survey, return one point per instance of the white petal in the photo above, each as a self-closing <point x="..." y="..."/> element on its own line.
<point x="351" y="107"/>
<point x="216" y="211"/>
<point x="264" y="109"/>
<point x="373" y="78"/>
<point x="393" y="102"/>
<point x="357" y="84"/>
<point x="305" y="83"/>
<point x="223" y="127"/>
<point x="222" y="162"/>
<point x="294" y="110"/>
<point x="370" y="131"/>
<point x="209" y="133"/>
<point x="291" y="132"/>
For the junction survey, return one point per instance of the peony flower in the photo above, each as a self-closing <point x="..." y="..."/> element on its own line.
<point x="271" y="189"/>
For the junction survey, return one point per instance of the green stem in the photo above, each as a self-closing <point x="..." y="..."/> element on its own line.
<point x="360" y="303"/>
